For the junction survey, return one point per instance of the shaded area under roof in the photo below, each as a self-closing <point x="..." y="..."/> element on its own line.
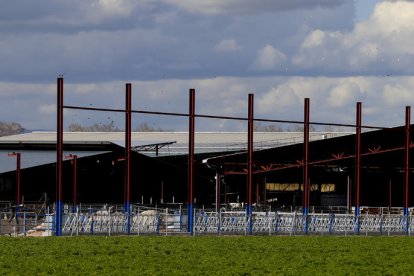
<point x="31" y="158"/>
<point x="380" y="148"/>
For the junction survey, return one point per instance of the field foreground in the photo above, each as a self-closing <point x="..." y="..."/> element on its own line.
<point x="207" y="255"/>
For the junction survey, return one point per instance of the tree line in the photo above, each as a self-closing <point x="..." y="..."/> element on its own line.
<point x="10" y="128"/>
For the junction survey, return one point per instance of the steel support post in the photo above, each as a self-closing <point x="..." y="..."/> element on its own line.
<point x="191" y="131"/>
<point x="264" y="193"/>
<point x="218" y="181"/>
<point x="389" y="194"/>
<point x="74" y="181"/>
<point x="128" y="156"/>
<point x="407" y="165"/>
<point x="358" y="163"/>
<point x="59" y="157"/>
<point x="306" y="186"/>
<point x="18" y="162"/>
<point x="18" y="174"/>
<point x="250" y="162"/>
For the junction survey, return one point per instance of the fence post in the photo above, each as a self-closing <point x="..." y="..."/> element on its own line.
<point x="109" y="222"/>
<point x="77" y="221"/>
<point x="91" y="214"/>
<point x="331" y="222"/>
<point x="219" y="222"/>
<point x="24" y="223"/>
<point x="138" y="222"/>
<point x="166" y="221"/>
<point x="193" y="224"/>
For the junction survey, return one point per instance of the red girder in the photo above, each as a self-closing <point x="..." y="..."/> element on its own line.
<point x="299" y="163"/>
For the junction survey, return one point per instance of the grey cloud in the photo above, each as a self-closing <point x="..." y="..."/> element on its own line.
<point x="250" y="7"/>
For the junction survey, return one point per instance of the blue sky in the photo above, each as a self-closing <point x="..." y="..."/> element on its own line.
<point x="336" y="52"/>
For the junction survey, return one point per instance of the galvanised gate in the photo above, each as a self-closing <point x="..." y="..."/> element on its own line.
<point x="112" y="220"/>
<point x="170" y="222"/>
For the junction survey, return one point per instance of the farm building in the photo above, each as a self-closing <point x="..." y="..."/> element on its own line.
<point x="159" y="167"/>
<point x="160" y="173"/>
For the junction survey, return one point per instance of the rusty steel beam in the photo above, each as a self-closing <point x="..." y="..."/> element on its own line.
<point x="74" y="158"/>
<point x="306" y="188"/>
<point x="206" y="116"/>
<point x="250" y="160"/>
<point x="358" y="158"/>
<point x="59" y="157"/>
<point x="18" y="173"/>
<point x="317" y="162"/>
<point x="191" y="138"/>
<point x="128" y="119"/>
<point x="407" y="159"/>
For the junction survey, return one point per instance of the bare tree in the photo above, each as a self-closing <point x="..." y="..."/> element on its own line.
<point x="10" y="128"/>
<point x="110" y="127"/>
<point x="75" y="127"/>
<point x="267" y="128"/>
<point x="144" y="127"/>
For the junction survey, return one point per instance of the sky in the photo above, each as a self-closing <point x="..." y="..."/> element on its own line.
<point x="335" y="52"/>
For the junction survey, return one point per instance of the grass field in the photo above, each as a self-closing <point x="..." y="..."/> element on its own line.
<point x="207" y="255"/>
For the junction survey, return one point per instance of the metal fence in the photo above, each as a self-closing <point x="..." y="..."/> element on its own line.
<point x="112" y="220"/>
<point x="294" y="223"/>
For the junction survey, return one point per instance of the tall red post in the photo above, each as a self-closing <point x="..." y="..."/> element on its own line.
<point x="59" y="157"/>
<point x="250" y="160"/>
<point x="75" y="181"/>
<point x="358" y="159"/>
<point x="128" y="114"/>
<point x="218" y="184"/>
<point x="264" y="192"/>
<point x="407" y="158"/>
<point x="18" y="162"/>
<point x="191" y="138"/>
<point x="389" y="194"/>
<point x="306" y="188"/>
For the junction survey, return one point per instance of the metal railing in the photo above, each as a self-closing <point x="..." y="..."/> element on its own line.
<point x="112" y="220"/>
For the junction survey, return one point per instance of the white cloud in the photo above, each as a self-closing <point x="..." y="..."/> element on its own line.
<point x="47" y="109"/>
<point x="332" y="100"/>
<point x="269" y="58"/>
<point x="380" y="45"/>
<point x="227" y="45"/>
<point x="279" y="98"/>
<point x="398" y="95"/>
<point x="346" y="93"/>
<point x="247" y="6"/>
<point x="316" y="38"/>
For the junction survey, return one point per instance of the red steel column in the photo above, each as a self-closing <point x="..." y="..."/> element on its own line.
<point x="306" y="188"/>
<point x="191" y="134"/>
<point x="358" y="158"/>
<point x="128" y="155"/>
<point x="407" y="158"/>
<point x="59" y="156"/>
<point x="218" y="183"/>
<point x="389" y="194"/>
<point x="18" y="162"/>
<point x="264" y="192"/>
<point x="250" y="161"/>
<point x="75" y="182"/>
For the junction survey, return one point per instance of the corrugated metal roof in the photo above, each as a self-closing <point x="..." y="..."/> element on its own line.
<point x="204" y="141"/>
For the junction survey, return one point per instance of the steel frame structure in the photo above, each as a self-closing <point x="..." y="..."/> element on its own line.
<point x="249" y="171"/>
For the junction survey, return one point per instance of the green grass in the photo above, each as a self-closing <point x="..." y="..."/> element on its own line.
<point x="207" y="255"/>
